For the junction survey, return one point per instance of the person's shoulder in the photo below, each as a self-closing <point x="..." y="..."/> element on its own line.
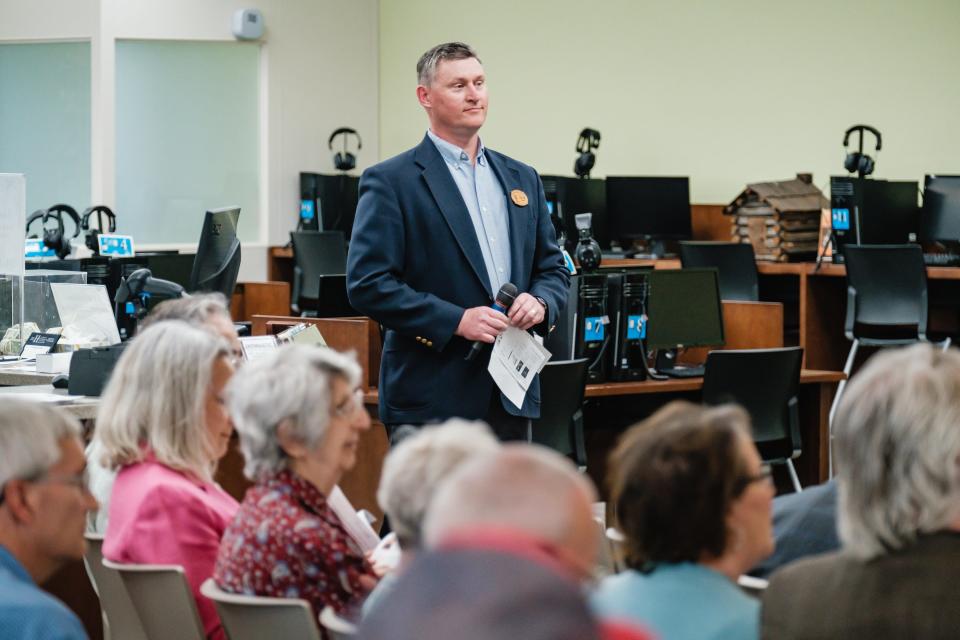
<point x="512" y="162"/>
<point x="810" y="570"/>
<point x="404" y="161"/>
<point x="36" y="614"/>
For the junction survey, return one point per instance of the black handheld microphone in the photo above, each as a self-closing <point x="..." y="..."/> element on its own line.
<point x="505" y="297"/>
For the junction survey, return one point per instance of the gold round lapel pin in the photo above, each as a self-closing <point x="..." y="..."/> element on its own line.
<point x="519" y="198"/>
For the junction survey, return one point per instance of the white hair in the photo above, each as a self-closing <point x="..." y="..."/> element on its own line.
<point x="30" y="435"/>
<point x="292" y="385"/>
<point x="520" y="487"/>
<point x="415" y="467"/>
<point x="195" y="309"/>
<point x="156" y="397"/>
<point x="897" y="444"/>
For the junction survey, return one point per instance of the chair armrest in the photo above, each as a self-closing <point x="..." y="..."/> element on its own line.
<point x="851" y="313"/>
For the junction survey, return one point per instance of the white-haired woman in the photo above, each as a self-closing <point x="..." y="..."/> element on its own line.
<point x="897" y="446"/>
<point x="299" y="415"/>
<point x="163" y="423"/>
<point x="412" y="471"/>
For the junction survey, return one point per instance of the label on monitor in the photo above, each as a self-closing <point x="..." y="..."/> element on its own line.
<point x="840" y="219"/>
<point x="308" y="209"/>
<point x="33" y="248"/>
<point x="593" y="328"/>
<point x="115" y="246"/>
<point x="636" y="327"/>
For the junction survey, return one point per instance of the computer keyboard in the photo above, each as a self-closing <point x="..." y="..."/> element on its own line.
<point x="941" y="259"/>
<point x="681" y="371"/>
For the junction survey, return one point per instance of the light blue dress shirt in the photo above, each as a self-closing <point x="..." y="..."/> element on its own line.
<point x="27" y="612"/>
<point x="487" y="204"/>
<point x="683" y="601"/>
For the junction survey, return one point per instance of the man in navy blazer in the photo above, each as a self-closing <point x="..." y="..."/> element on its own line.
<point x="439" y="229"/>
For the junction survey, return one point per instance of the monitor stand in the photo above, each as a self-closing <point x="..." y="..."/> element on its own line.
<point x="667" y="365"/>
<point x="652" y="249"/>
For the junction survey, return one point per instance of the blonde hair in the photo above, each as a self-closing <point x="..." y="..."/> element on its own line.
<point x="155" y="400"/>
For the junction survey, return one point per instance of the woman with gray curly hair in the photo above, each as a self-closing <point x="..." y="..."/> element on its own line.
<point x="897" y="447"/>
<point x="299" y="415"/>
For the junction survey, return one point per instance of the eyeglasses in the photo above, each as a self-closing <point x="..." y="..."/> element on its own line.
<point x="79" y="481"/>
<point x="349" y="406"/>
<point x="765" y="475"/>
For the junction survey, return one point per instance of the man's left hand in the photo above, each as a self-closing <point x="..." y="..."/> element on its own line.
<point x="525" y="312"/>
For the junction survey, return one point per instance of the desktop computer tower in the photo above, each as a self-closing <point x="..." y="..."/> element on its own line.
<point x="627" y="295"/>
<point x="872" y="212"/>
<point x="583" y="329"/>
<point x="330" y="199"/>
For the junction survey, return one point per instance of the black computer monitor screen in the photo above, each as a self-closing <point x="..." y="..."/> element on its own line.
<point x="683" y="308"/>
<point x="644" y="208"/>
<point x="175" y="267"/>
<point x="940" y="216"/>
<point x="217" y="262"/>
<point x="579" y="195"/>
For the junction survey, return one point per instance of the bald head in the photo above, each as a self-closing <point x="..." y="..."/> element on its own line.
<point x="523" y="488"/>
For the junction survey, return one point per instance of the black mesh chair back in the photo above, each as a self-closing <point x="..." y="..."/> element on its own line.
<point x="734" y="260"/>
<point x="765" y="382"/>
<point x="886" y="287"/>
<point x="315" y="253"/>
<point x="562" y="385"/>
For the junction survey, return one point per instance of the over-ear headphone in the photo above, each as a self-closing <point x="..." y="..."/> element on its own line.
<point x="344" y="160"/>
<point x="588" y="249"/>
<point x="588" y="141"/>
<point x="54" y="238"/>
<point x="857" y="161"/>
<point x="101" y="210"/>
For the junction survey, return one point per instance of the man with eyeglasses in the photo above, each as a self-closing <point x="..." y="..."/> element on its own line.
<point x="44" y="503"/>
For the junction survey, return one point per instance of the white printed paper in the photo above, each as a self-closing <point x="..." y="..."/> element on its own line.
<point x="516" y="358"/>
<point x="256" y="347"/>
<point x="85" y="310"/>
<point x="356" y="526"/>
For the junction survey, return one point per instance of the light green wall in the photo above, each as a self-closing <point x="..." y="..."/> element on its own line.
<point x="726" y="92"/>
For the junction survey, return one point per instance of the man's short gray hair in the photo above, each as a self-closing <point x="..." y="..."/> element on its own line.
<point x="156" y="398"/>
<point x="415" y="467"/>
<point x="897" y="444"/>
<point x="520" y="487"/>
<point x="30" y="435"/>
<point x="429" y="61"/>
<point x="294" y="384"/>
<point x="194" y="309"/>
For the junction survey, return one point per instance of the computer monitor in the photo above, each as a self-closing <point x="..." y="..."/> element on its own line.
<point x="650" y="209"/>
<point x="683" y="309"/>
<point x="571" y="196"/>
<point x="940" y="215"/>
<point x="217" y="262"/>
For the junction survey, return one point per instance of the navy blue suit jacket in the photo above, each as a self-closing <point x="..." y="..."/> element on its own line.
<point x="415" y="266"/>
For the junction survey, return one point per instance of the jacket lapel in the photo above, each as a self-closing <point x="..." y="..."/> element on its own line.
<point x="448" y="198"/>
<point x="520" y="217"/>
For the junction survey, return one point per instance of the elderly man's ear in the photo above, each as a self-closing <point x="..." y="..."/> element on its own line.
<point x="291" y="445"/>
<point x="17" y="500"/>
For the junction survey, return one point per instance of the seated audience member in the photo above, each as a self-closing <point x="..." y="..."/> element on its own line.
<point x="299" y="415"/>
<point x="509" y="537"/>
<point x="203" y="310"/>
<point x="897" y="453"/>
<point x="43" y="504"/>
<point x="412" y="471"/>
<point x="804" y="524"/>
<point x="164" y="425"/>
<point x="693" y="502"/>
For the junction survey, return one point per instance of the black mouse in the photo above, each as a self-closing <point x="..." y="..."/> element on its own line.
<point x="60" y="381"/>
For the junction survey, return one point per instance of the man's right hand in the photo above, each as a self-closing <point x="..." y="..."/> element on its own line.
<point x="482" y="323"/>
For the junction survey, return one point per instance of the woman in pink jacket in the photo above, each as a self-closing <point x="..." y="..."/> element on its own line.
<point x="163" y="424"/>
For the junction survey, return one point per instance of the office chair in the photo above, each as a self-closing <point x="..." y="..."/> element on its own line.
<point x="886" y="304"/>
<point x="315" y="253"/>
<point x="734" y="260"/>
<point x="765" y="382"/>
<point x="560" y="425"/>
<point x="119" y="616"/>
<point x="251" y="617"/>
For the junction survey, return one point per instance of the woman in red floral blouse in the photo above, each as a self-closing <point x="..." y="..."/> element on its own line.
<point x="299" y="417"/>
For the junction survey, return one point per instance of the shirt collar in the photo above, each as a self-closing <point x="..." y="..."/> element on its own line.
<point x="11" y="564"/>
<point x="453" y="154"/>
<point x="300" y="489"/>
